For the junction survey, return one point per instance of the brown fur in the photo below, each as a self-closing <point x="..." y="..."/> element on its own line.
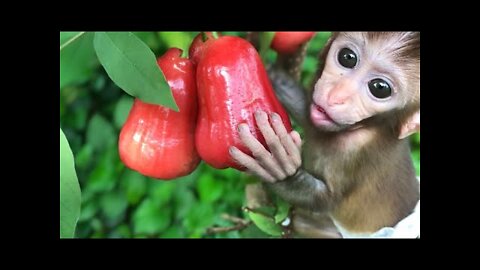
<point x="369" y="171"/>
<point x="313" y="224"/>
<point x="372" y="186"/>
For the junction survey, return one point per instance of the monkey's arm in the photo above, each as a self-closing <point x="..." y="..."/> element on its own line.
<point x="280" y="165"/>
<point x="290" y="93"/>
<point x="303" y="190"/>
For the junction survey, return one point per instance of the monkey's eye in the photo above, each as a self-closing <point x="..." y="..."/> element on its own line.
<point x="347" y="58"/>
<point x="379" y="88"/>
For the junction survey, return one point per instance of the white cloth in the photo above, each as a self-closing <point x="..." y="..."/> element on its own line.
<point x="408" y="227"/>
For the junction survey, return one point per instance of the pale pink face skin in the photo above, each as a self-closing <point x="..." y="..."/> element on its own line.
<point x="342" y="97"/>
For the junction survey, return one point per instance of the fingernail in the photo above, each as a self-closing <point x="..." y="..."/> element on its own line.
<point x="275" y="117"/>
<point x="242" y="127"/>
<point x="258" y="113"/>
<point x="231" y="149"/>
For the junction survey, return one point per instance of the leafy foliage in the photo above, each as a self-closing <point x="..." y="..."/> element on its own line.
<point x="266" y="223"/>
<point x="77" y="60"/>
<point x="265" y="41"/>
<point x="65" y="37"/>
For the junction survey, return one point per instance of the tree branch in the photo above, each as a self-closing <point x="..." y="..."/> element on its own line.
<point x="292" y="63"/>
<point x="240" y="224"/>
<point x="237" y="227"/>
<point x="234" y="219"/>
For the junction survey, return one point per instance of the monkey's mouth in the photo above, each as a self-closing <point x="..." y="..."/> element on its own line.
<point x="320" y="117"/>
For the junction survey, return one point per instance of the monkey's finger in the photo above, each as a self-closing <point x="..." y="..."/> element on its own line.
<point x="274" y="144"/>
<point x="286" y="139"/>
<point x="251" y="164"/>
<point x="296" y="138"/>
<point x="259" y="152"/>
<point x="282" y="133"/>
<point x="298" y="143"/>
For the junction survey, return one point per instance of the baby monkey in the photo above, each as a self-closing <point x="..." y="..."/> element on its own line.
<point x="354" y="166"/>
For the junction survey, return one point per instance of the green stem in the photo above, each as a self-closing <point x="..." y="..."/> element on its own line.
<point x="204" y="36"/>
<point x="71" y="40"/>
<point x="215" y="35"/>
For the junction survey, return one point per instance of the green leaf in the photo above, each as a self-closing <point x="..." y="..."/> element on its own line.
<point x="84" y="156"/>
<point x="253" y="231"/>
<point x="77" y="61"/>
<point x="283" y="209"/>
<point x="173" y="232"/>
<point x="183" y="201"/>
<point x="228" y="174"/>
<point x="268" y="211"/>
<point x="150" y="219"/>
<point x="104" y="177"/>
<point x="96" y="224"/>
<point x="416" y="161"/>
<point x="113" y="205"/>
<point x="310" y="64"/>
<point x="133" y="67"/>
<point x="70" y="197"/>
<point x="265" y="41"/>
<point x="100" y="133"/>
<point x="266" y="224"/>
<point x="67" y="36"/>
<point x="134" y="184"/>
<point x="199" y="218"/>
<point x="318" y="41"/>
<point x="181" y="40"/>
<point x="161" y="191"/>
<point x="209" y="189"/>
<point x="79" y="119"/>
<point x="234" y="33"/>
<point x="89" y="209"/>
<point x="416" y="138"/>
<point x="231" y="234"/>
<point x="122" y="109"/>
<point x="122" y="231"/>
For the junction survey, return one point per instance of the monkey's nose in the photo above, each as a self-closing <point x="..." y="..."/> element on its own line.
<point x="338" y="96"/>
<point x="336" y="100"/>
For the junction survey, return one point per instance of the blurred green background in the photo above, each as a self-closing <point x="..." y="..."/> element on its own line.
<point x="118" y="202"/>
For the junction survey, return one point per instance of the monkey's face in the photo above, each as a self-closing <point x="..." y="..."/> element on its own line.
<point x="360" y="79"/>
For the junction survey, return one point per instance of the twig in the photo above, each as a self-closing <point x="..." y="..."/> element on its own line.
<point x="234" y="219"/>
<point x="292" y="63"/>
<point x="237" y="227"/>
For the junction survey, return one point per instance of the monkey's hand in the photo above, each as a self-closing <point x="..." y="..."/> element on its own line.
<point x="282" y="158"/>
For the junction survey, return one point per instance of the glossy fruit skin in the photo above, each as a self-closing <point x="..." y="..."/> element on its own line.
<point x="232" y="84"/>
<point x="196" y="47"/>
<point x="157" y="141"/>
<point x="289" y="42"/>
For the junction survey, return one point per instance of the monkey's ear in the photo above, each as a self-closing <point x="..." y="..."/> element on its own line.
<point x="411" y="125"/>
